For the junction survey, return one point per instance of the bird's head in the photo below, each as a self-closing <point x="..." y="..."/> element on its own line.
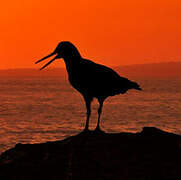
<point x="65" y="49"/>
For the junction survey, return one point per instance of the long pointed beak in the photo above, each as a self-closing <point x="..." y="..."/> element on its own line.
<point x="49" y="62"/>
<point x="53" y="53"/>
<point x="45" y="57"/>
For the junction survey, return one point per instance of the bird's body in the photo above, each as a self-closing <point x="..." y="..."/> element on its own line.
<point x="97" y="81"/>
<point x="92" y="80"/>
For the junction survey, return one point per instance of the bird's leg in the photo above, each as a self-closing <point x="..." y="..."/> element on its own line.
<point x="99" y="114"/>
<point x="88" y="106"/>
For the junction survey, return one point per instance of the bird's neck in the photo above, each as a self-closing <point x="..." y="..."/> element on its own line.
<point x="72" y="62"/>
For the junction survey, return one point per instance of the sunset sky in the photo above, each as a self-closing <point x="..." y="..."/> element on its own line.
<point x="116" y="32"/>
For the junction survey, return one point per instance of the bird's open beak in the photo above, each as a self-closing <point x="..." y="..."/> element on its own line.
<point x="46" y="58"/>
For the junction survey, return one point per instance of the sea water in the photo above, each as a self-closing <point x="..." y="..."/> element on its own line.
<point x="41" y="109"/>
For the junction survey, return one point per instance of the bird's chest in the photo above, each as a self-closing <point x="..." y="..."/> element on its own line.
<point x="79" y="80"/>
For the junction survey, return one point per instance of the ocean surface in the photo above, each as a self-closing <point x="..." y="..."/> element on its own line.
<point x="40" y="109"/>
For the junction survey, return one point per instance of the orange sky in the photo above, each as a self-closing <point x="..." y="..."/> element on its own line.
<point x="109" y="32"/>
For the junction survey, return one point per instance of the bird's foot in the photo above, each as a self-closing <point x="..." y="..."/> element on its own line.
<point x="98" y="130"/>
<point x="85" y="131"/>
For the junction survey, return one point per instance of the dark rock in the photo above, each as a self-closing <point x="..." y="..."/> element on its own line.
<point x="149" y="155"/>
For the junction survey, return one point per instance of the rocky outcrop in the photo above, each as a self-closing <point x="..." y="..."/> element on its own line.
<point x="149" y="155"/>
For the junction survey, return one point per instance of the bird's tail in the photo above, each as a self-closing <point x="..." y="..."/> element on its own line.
<point x="136" y="86"/>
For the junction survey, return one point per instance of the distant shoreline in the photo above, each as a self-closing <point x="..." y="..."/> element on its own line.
<point x="153" y="70"/>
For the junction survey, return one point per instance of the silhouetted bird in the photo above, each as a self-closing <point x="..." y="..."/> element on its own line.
<point x="92" y="80"/>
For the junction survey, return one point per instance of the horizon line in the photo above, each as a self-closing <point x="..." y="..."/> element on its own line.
<point x="52" y="68"/>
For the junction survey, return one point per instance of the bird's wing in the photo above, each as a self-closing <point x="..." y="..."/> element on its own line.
<point x="100" y="72"/>
<point x="100" y="76"/>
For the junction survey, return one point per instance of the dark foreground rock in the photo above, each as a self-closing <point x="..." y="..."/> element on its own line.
<point x="150" y="155"/>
